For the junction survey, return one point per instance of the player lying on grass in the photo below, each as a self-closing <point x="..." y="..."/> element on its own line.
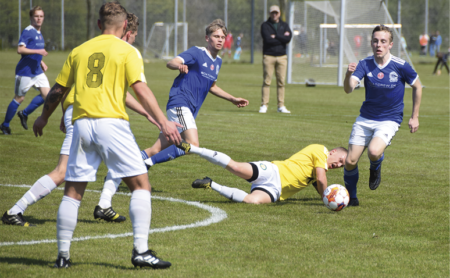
<point x="47" y="183"/>
<point x="382" y="112"/>
<point x="276" y="180"/>
<point x="199" y="68"/>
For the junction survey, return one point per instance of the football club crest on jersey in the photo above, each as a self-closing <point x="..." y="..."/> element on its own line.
<point x="212" y="67"/>
<point x="205" y="65"/>
<point x="217" y="70"/>
<point x="380" y="75"/>
<point x="393" y="76"/>
<point x="263" y="166"/>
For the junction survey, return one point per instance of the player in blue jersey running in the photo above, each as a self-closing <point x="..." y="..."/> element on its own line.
<point x="382" y="112"/>
<point x="199" y="68"/>
<point x="29" y="71"/>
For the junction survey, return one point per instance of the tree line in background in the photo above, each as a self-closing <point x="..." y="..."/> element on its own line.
<point x="80" y="18"/>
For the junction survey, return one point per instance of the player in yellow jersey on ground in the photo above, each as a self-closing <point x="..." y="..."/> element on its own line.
<point x="101" y="71"/>
<point x="276" y="180"/>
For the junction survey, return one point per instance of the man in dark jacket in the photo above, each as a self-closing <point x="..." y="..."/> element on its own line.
<point x="275" y="34"/>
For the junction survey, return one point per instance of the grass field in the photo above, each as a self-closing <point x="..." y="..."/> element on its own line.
<point x="399" y="230"/>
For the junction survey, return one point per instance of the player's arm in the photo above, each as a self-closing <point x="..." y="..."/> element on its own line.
<point x="134" y="105"/>
<point x="150" y="104"/>
<point x="321" y="179"/>
<point x="52" y="100"/>
<point x="218" y="92"/>
<point x="417" y="98"/>
<point x="22" y="50"/>
<point x="349" y="82"/>
<point x="177" y="64"/>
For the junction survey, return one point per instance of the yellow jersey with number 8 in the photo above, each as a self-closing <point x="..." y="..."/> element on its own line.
<point x="101" y="70"/>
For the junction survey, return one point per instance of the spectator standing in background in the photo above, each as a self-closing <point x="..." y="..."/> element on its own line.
<point x="275" y="34"/>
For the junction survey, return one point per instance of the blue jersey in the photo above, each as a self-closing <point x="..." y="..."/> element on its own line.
<point x="30" y="65"/>
<point x="385" y="88"/>
<point x="191" y="89"/>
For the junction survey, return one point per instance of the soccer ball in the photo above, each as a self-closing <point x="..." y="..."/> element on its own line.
<point x="335" y="197"/>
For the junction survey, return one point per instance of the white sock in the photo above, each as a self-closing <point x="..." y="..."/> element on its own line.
<point x="231" y="193"/>
<point x="140" y="215"/>
<point x="66" y="222"/>
<point x="214" y="157"/>
<point x="41" y="188"/>
<point x="109" y="189"/>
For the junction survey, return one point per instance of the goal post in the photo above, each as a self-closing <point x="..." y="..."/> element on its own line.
<point x="321" y="50"/>
<point x="161" y="40"/>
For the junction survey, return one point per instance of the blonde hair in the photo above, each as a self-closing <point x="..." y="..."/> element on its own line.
<point x="112" y="13"/>
<point x="382" y="27"/>
<point x="133" y="23"/>
<point x="216" y="25"/>
<point x="34" y="9"/>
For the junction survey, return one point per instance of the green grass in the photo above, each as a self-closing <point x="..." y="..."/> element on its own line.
<point x="399" y="230"/>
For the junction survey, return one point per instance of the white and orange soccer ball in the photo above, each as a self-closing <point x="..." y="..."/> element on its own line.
<point x="336" y="197"/>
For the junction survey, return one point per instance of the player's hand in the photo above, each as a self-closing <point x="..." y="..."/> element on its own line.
<point x="170" y="131"/>
<point x="42" y="52"/>
<point x="413" y="124"/>
<point x="38" y="126"/>
<point x="183" y="69"/>
<point x="351" y="68"/>
<point x="62" y="126"/>
<point x="44" y="66"/>
<point x="272" y="36"/>
<point x="240" y="102"/>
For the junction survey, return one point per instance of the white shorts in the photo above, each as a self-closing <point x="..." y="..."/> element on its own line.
<point x="65" y="149"/>
<point x="183" y="116"/>
<point x="268" y="179"/>
<point x="364" y="130"/>
<point x="105" y="139"/>
<point x="24" y="84"/>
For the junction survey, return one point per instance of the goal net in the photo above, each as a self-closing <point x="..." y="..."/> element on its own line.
<point x="162" y="43"/>
<point x="314" y="51"/>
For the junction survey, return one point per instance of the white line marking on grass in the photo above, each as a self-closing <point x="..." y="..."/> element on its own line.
<point x="217" y="215"/>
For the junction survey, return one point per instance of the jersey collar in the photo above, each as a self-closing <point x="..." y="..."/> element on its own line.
<point x="385" y="64"/>
<point x="31" y="26"/>
<point x="207" y="53"/>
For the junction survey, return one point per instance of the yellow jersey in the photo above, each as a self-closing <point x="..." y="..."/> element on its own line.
<point x="70" y="98"/>
<point x="299" y="170"/>
<point x="101" y="70"/>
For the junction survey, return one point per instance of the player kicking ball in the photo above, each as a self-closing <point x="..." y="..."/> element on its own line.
<point x="272" y="181"/>
<point x="382" y="112"/>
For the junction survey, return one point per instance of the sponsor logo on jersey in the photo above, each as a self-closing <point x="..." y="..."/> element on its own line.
<point x="212" y="67"/>
<point x="370" y="74"/>
<point x="380" y="75"/>
<point x="205" y="65"/>
<point x="393" y="76"/>
<point x="263" y="166"/>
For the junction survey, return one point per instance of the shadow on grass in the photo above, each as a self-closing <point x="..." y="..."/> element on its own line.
<point x="37" y="262"/>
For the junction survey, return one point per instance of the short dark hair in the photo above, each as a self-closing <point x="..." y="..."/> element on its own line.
<point x="34" y="9"/>
<point x="382" y="27"/>
<point x="111" y="13"/>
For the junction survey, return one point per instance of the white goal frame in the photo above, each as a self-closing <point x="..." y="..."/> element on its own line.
<point x="164" y="51"/>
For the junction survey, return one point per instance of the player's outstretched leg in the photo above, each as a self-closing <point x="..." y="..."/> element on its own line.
<point x="104" y="210"/>
<point x="41" y="188"/>
<point x="214" y="157"/>
<point x="375" y="173"/>
<point x="233" y="194"/>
